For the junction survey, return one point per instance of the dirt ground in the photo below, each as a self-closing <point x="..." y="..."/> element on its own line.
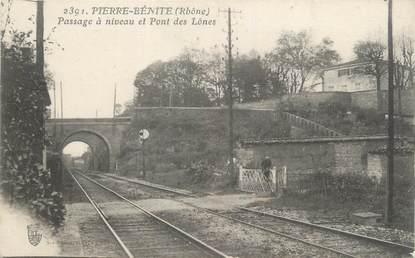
<point x="227" y="202"/>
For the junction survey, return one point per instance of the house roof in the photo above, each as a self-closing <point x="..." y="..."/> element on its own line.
<point x="346" y="64"/>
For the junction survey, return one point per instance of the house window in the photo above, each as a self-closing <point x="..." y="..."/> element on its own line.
<point x="358" y="70"/>
<point x="343" y="72"/>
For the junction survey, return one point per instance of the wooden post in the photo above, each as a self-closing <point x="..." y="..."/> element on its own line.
<point x="389" y="178"/>
<point x="230" y="99"/>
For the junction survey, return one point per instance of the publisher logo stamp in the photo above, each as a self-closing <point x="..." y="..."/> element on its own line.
<point x="34" y="234"/>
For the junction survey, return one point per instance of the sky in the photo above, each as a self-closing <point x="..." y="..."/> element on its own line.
<point x="76" y="149"/>
<point x="95" y="58"/>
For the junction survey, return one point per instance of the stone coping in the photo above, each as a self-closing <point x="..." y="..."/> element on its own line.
<point x="318" y="139"/>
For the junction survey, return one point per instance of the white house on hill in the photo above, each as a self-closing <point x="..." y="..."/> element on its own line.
<point x="348" y="77"/>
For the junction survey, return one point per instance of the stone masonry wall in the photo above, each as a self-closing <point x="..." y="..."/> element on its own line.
<point x="362" y="99"/>
<point x="403" y="165"/>
<point x="315" y="98"/>
<point x="368" y="99"/>
<point x="305" y="157"/>
<point x="352" y="156"/>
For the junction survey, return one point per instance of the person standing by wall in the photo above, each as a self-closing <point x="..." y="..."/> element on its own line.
<point x="266" y="165"/>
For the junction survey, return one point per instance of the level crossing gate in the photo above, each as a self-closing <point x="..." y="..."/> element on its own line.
<point x="253" y="180"/>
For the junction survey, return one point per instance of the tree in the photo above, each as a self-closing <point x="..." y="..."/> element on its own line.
<point x="373" y="52"/>
<point x="128" y="108"/>
<point x="276" y="74"/>
<point x="299" y="60"/>
<point x="403" y="70"/>
<point x="150" y="84"/>
<point x="404" y="63"/>
<point x="189" y="73"/>
<point x="179" y="82"/>
<point x="250" y="79"/>
<point x="216" y="78"/>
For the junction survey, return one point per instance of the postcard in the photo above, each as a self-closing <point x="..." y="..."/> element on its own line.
<point x="234" y="128"/>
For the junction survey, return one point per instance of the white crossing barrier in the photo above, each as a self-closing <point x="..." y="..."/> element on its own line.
<point x="253" y="180"/>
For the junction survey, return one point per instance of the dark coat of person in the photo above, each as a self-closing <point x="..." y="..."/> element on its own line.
<point x="266" y="165"/>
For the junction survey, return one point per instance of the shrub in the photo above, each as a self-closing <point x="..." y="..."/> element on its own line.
<point x="333" y="109"/>
<point x="164" y="167"/>
<point x="199" y="172"/>
<point x="370" y="116"/>
<point x="33" y="188"/>
<point x="23" y="137"/>
<point x="343" y="187"/>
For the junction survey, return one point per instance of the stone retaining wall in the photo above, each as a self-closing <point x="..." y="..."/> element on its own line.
<point x="303" y="157"/>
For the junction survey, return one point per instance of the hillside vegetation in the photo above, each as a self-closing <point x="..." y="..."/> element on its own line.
<point x="347" y="119"/>
<point x="181" y="139"/>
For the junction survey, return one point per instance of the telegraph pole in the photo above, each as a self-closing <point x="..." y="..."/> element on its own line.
<point x="230" y="97"/>
<point x="60" y="83"/>
<point x="114" y="111"/>
<point x="230" y="101"/>
<point x="115" y="100"/>
<point x="61" y="100"/>
<point x="390" y="148"/>
<point x="54" y="110"/>
<point x="40" y="57"/>
<point x="170" y="96"/>
<point x="40" y="62"/>
<point x="1" y="109"/>
<point x="230" y="93"/>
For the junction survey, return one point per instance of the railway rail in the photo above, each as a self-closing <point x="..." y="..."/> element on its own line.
<point x="141" y="233"/>
<point x="386" y="243"/>
<point x="146" y="190"/>
<point x="340" y="242"/>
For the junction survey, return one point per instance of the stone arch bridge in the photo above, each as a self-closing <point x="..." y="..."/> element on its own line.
<point x="101" y="134"/>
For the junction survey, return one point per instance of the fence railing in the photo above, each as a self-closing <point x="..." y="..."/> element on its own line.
<point x="254" y="181"/>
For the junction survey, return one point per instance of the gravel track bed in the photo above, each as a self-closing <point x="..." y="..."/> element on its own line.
<point x="84" y="234"/>
<point x="130" y="190"/>
<point x="232" y="238"/>
<point x="389" y="234"/>
<point x="143" y="236"/>
<point x="346" y="244"/>
<point x="239" y="240"/>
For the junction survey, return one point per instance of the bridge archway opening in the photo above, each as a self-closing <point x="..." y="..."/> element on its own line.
<point x="86" y="150"/>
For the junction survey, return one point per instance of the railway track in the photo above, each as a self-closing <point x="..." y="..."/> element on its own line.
<point x="341" y="243"/>
<point x="345" y="243"/>
<point x="138" y="232"/>
<point x="145" y="191"/>
<point x="385" y="243"/>
<point x="198" y="227"/>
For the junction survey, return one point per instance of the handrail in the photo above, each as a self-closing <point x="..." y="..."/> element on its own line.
<point x="306" y="122"/>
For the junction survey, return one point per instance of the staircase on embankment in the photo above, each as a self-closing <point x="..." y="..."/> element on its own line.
<point x="306" y="124"/>
<point x="309" y="126"/>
